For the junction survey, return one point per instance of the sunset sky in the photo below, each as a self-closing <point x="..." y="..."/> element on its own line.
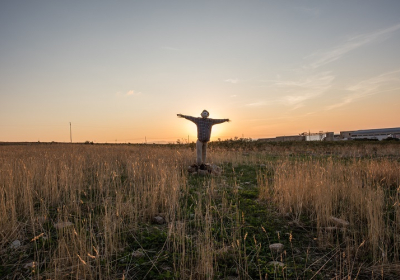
<point x="120" y="71"/>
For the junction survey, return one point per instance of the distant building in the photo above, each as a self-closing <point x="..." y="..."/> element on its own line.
<point x="290" y="138"/>
<point x="267" y="139"/>
<point x="345" y="135"/>
<point x="378" y="134"/>
<point x="320" y="136"/>
<point x="283" y="138"/>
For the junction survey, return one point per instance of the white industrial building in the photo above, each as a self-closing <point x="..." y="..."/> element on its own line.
<point x="378" y="134"/>
<point x="321" y="136"/>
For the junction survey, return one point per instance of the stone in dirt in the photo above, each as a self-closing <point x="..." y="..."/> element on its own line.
<point x="276" y="263"/>
<point x="202" y="172"/>
<point x="62" y="225"/>
<point x="138" y="254"/>
<point x="276" y="247"/>
<point x="30" y="265"/>
<point x="192" y="168"/>
<point x="339" y="222"/>
<point x="204" y="169"/>
<point x="203" y="166"/>
<point x="158" y="220"/>
<point x="215" y="169"/>
<point x="15" y="244"/>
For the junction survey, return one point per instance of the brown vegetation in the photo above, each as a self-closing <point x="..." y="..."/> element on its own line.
<point x="87" y="211"/>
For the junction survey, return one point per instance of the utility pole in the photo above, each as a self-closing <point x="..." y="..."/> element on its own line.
<point x="145" y="140"/>
<point x="70" y="132"/>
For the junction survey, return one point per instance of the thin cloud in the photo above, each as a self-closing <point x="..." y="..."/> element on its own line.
<point x="347" y="100"/>
<point x="232" y="81"/>
<point x="305" y="89"/>
<point x="367" y="88"/>
<point x="256" y="104"/>
<point x="298" y="91"/>
<point x="325" y="57"/>
<point x="309" y="83"/>
<point x="133" y="93"/>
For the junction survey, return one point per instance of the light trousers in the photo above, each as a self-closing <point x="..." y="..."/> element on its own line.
<point x="201" y="152"/>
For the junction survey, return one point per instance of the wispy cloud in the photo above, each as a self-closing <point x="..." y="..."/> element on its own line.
<point x="308" y="82"/>
<point x="255" y="104"/>
<point x="324" y="57"/>
<point x="296" y="91"/>
<point x="133" y="93"/>
<point x="232" y="81"/>
<point x="368" y="87"/>
<point x="305" y="88"/>
<point x="129" y="93"/>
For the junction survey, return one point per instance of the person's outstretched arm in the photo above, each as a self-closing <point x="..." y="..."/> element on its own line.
<point x="193" y="119"/>
<point x="217" y="121"/>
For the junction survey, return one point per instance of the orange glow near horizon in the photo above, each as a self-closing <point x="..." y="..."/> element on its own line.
<point x="185" y="58"/>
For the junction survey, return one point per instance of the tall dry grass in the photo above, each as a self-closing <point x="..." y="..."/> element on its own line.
<point x="110" y="193"/>
<point x="106" y="196"/>
<point x="364" y="192"/>
<point x="104" y="191"/>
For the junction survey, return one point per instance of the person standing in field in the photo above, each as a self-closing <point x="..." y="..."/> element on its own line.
<point x="204" y="125"/>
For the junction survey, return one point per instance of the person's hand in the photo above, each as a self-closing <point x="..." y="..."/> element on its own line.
<point x="179" y="115"/>
<point x="228" y="120"/>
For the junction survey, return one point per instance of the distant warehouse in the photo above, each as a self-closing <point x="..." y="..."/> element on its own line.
<point x="378" y="134"/>
<point x="305" y="136"/>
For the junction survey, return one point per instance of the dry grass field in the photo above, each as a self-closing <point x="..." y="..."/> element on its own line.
<point x="75" y="211"/>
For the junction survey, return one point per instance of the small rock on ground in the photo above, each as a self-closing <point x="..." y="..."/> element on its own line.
<point x="204" y="169"/>
<point x="276" y="247"/>
<point x="276" y="263"/>
<point x="30" y="265"/>
<point x="15" y="244"/>
<point x="339" y="222"/>
<point x="138" y="254"/>
<point x="158" y="220"/>
<point x="202" y="172"/>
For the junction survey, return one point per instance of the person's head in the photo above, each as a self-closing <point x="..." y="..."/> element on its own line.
<point x="205" y="114"/>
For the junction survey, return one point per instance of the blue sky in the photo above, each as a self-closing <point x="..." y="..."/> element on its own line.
<point x="122" y="70"/>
